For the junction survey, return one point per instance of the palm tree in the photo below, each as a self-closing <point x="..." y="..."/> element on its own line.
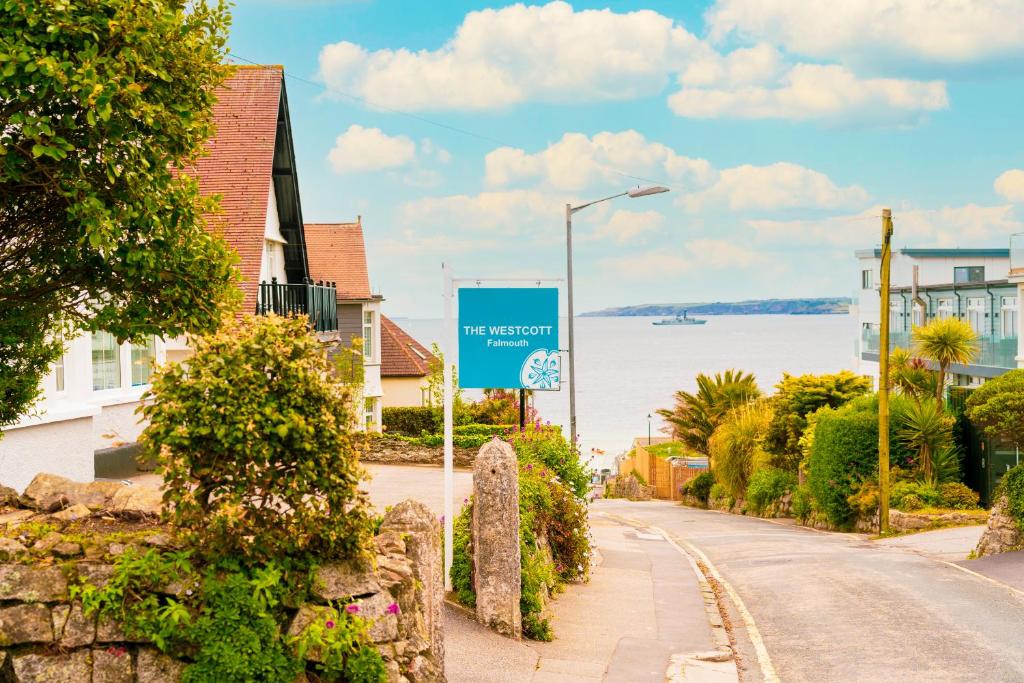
<point x="925" y="430"/>
<point x="695" y="416"/>
<point x="945" y="342"/>
<point x="911" y="376"/>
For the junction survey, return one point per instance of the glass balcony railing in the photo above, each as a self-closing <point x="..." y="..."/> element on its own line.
<point x="1017" y="254"/>
<point x="993" y="352"/>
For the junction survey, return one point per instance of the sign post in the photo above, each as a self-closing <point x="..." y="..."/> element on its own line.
<point x="507" y="339"/>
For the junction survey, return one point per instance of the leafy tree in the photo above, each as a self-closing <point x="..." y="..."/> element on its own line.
<point x="946" y="341"/>
<point x="795" y="398"/>
<point x="695" y="416"/>
<point x="103" y="106"/>
<point x="997" y="406"/>
<point x="737" y="449"/>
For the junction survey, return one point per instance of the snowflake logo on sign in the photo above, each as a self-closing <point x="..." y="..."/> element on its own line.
<point x="541" y="370"/>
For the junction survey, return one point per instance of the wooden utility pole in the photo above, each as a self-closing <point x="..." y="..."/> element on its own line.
<point x="883" y="382"/>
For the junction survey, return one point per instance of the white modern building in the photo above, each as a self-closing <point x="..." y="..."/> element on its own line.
<point x="973" y="285"/>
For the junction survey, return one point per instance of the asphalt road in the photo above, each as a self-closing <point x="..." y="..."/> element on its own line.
<point x="836" y="607"/>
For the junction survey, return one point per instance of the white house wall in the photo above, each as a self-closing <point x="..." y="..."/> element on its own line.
<point x="272" y="260"/>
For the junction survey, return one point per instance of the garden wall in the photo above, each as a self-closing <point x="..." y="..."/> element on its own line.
<point x="1002" y="533"/>
<point x="397" y="452"/>
<point x="46" y="637"/>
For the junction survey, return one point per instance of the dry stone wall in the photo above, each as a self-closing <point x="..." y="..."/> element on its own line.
<point x="45" y="637"/>
<point x="391" y="451"/>
<point x="1002" y="533"/>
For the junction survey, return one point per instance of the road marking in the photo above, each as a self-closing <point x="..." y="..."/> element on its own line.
<point x="763" y="658"/>
<point x="1016" y="592"/>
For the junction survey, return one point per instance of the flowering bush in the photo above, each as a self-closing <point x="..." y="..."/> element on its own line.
<point x="545" y="445"/>
<point x="255" y="442"/>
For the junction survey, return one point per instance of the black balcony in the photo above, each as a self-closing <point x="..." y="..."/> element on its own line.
<point x="317" y="301"/>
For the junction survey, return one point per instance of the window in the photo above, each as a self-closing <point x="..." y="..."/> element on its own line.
<point x="896" y="316"/>
<point x="368" y="334"/>
<point x="976" y="314"/>
<point x="867" y="279"/>
<point x="143" y="357"/>
<point x="58" y="373"/>
<point x="1008" y="306"/>
<point x="106" y="362"/>
<point x="370" y="414"/>
<point x="944" y="309"/>
<point x="968" y="274"/>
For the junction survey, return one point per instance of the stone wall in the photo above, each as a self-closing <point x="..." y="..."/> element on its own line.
<point x="1002" y="533"/>
<point x="901" y="522"/>
<point x="393" y="451"/>
<point x="629" y="487"/>
<point x="45" y="636"/>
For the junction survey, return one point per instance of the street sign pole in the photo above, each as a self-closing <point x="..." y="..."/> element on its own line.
<point x="449" y="466"/>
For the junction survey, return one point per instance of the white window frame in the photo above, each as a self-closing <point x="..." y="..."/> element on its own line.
<point x="1008" y="319"/>
<point x="976" y="314"/>
<point x="896" y="315"/>
<point x="944" y="306"/>
<point x="131" y="363"/>
<point x="368" y="340"/>
<point x="118" y="357"/>
<point x="370" y="414"/>
<point x="867" y="279"/>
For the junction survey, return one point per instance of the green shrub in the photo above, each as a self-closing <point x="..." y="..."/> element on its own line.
<point x="717" y="492"/>
<point x="913" y="495"/>
<point x="958" y="496"/>
<point x="797" y="397"/>
<point x="411" y="421"/>
<point x="1012" y="486"/>
<point x="803" y="503"/>
<point x="462" y="560"/>
<point x="864" y="499"/>
<point x="997" y="406"/>
<point x="489" y="430"/>
<point x="768" y="486"/>
<point x="845" y="451"/>
<point x="258" y="416"/>
<point x="546" y="446"/>
<point x="700" y="486"/>
<point x="735" y="446"/>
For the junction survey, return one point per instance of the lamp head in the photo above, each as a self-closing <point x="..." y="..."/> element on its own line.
<point x="645" y="191"/>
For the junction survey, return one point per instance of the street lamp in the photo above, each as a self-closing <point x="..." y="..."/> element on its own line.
<point x="648" y="429"/>
<point x="569" y="211"/>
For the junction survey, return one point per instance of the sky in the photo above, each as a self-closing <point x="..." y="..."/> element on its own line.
<point x="459" y="131"/>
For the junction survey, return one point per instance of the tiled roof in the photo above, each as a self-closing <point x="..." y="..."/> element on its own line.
<point x="240" y="163"/>
<point x="337" y="254"/>
<point x="400" y="354"/>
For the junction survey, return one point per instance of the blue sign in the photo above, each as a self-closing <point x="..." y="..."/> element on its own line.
<point x="508" y="338"/>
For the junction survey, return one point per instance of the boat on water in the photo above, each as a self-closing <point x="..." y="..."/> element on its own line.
<point x="680" y="320"/>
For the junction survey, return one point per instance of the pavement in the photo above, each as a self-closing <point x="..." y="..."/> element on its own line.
<point x="642" y="607"/>
<point x="819" y="606"/>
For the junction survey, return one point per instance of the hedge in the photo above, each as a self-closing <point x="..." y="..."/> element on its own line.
<point x="845" y="451"/>
<point x="411" y="421"/>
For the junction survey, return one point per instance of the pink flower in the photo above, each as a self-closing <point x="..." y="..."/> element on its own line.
<point x="393" y="608"/>
<point x="352" y="609"/>
<point x="329" y="624"/>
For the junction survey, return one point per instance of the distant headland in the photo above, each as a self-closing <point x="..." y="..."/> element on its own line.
<point x="821" y="306"/>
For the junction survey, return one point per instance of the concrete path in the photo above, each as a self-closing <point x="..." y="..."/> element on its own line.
<point x="944" y="544"/>
<point x="391" y="484"/>
<point x="839" y="607"/>
<point x="642" y="605"/>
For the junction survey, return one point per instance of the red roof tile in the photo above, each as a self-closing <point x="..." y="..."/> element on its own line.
<point x="337" y="254"/>
<point x="240" y="164"/>
<point x="400" y="354"/>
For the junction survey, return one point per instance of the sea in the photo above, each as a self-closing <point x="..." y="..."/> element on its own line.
<point x="627" y="368"/>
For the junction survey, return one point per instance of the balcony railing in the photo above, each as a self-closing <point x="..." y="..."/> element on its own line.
<point x="317" y="301"/>
<point x="1017" y="254"/>
<point x="993" y="352"/>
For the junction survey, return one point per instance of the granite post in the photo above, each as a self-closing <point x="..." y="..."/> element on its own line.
<point x="497" y="563"/>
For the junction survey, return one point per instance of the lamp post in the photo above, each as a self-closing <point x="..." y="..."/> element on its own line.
<point x="648" y="429"/>
<point x="569" y="211"/>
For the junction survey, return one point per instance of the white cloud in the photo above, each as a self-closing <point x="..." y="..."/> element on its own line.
<point x="740" y="67"/>
<point x="1011" y="185"/>
<point x="781" y="185"/>
<point x="369" y="149"/>
<point x="515" y="212"/>
<point x="940" y="32"/>
<point x="500" y="57"/>
<point x="695" y="255"/>
<point x="627" y="227"/>
<point x="812" y="91"/>
<point x="576" y="162"/>
<point x="961" y="226"/>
